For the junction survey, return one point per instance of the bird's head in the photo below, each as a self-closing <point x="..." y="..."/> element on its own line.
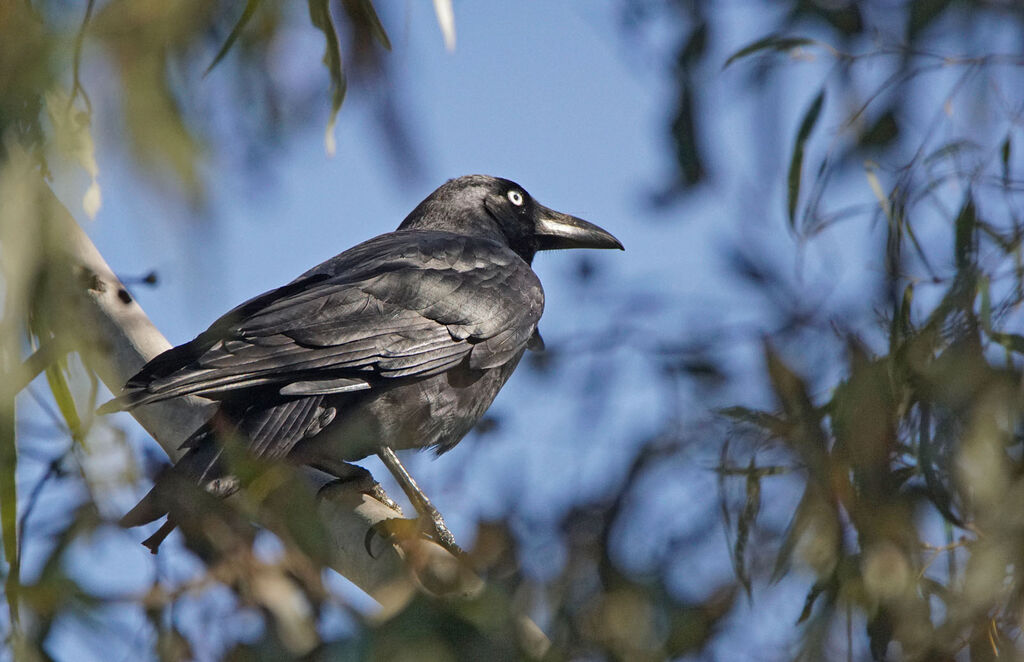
<point x="502" y="210"/>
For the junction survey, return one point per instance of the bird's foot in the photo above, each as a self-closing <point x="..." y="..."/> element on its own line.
<point x="441" y="534"/>
<point x="435" y="527"/>
<point x="378" y="493"/>
<point x="357" y="478"/>
<point x="398" y="529"/>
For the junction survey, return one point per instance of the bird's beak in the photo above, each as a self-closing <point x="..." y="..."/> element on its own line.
<point x="557" y="230"/>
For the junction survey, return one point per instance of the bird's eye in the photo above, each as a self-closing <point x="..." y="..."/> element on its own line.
<point x="515" y="197"/>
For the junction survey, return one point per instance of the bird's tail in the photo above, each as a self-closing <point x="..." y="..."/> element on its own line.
<point x="201" y="456"/>
<point x="149" y="509"/>
<point x="124" y="402"/>
<point x="145" y="511"/>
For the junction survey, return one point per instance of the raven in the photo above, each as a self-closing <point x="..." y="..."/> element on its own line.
<point x="400" y="342"/>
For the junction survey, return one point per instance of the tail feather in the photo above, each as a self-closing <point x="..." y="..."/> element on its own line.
<point x="149" y="510"/>
<point x="123" y="402"/>
<point x="152" y="543"/>
<point x="145" y="511"/>
<point x="185" y="489"/>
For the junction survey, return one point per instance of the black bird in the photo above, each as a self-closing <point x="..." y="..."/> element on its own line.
<point x="400" y="342"/>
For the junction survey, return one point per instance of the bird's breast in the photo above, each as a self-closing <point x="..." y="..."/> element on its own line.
<point x="436" y="411"/>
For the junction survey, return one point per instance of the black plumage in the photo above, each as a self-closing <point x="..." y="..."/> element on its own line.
<point x="400" y="342"/>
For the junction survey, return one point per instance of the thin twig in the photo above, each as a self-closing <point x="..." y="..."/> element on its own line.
<point x="35" y="364"/>
<point x="77" y="60"/>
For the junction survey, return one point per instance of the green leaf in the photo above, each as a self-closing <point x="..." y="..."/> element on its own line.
<point x="951" y="148"/>
<point x="250" y="9"/>
<point x="927" y="461"/>
<point x="804" y="434"/>
<point x="446" y="21"/>
<point x="797" y="163"/>
<point x="744" y="526"/>
<point x="9" y="501"/>
<point x="923" y="13"/>
<point x="883" y="132"/>
<point x="362" y="12"/>
<point x="770" y="43"/>
<point x="986" y="305"/>
<point x="966" y="245"/>
<point x="320" y="15"/>
<point x="694" y="48"/>
<point x="1005" y="152"/>
<point x="812" y="597"/>
<point x="1011" y="341"/>
<point x="684" y="137"/>
<point x="58" y="382"/>
<point x="902" y="325"/>
<point x="763" y="420"/>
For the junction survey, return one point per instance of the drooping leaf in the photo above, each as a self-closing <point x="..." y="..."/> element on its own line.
<point x="745" y="524"/>
<point x="694" y="47"/>
<point x="966" y="244"/>
<point x="365" y="14"/>
<point x="684" y="137"/>
<point x="1005" y="153"/>
<point x="797" y="162"/>
<point x="320" y="15"/>
<point x="844" y="17"/>
<point x="814" y="526"/>
<point x="763" y="420"/>
<point x="902" y="326"/>
<point x="986" y="304"/>
<point x="805" y="435"/>
<point x="880" y="632"/>
<point x="876" y="188"/>
<point x="949" y="149"/>
<point x="57" y="379"/>
<point x="247" y="13"/>
<point x="1012" y="341"/>
<point x="9" y="499"/>
<point x="922" y="13"/>
<point x="773" y="42"/>
<point x="937" y="492"/>
<point x="152" y="107"/>
<point x="883" y="132"/>
<point x="72" y="134"/>
<point x="812" y="596"/>
<point x="446" y="21"/>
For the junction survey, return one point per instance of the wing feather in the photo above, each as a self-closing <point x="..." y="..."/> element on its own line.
<point x="402" y="305"/>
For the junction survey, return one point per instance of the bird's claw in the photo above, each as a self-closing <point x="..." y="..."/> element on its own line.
<point x="397" y="529"/>
<point x="378" y="493"/>
<point x="391" y="530"/>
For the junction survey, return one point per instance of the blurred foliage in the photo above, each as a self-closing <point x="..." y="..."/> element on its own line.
<point x="905" y="444"/>
<point x="910" y="463"/>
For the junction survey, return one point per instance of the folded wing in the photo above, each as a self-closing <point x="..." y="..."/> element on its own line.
<point x="404" y="305"/>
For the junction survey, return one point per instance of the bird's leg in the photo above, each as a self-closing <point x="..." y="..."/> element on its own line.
<point x="419" y="500"/>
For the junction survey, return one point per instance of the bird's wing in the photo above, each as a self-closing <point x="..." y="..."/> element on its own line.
<point x="406" y="304"/>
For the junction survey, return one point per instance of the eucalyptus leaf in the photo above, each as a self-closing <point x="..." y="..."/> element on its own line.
<point x="773" y="42"/>
<point x="320" y="15"/>
<point x="797" y="161"/>
<point x="247" y="13"/>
